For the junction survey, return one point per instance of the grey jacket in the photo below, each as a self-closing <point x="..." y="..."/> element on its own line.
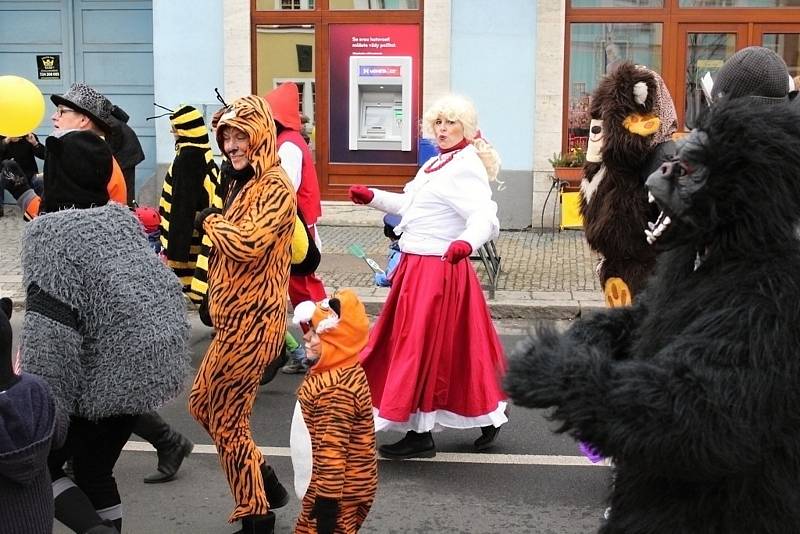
<point x="105" y="322"/>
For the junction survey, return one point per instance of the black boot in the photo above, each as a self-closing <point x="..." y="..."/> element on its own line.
<point x="487" y="437"/>
<point x="414" y="445"/>
<point x="171" y="446"/>
<point x="277" y="495"/>
<point x="74" y="509"/>
<point x="104" y="528"/>
<point x="258" y="524"/>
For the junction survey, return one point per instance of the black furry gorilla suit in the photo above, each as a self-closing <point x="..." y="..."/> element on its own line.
<point x="695" y="390"/>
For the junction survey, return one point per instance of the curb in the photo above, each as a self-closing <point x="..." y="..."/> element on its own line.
<point x="533" y="309"/>
<point x="546" y="310"/>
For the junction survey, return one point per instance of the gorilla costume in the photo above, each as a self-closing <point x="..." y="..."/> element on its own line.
<point x="694" y="391"/>
<point x="633" y="119"/>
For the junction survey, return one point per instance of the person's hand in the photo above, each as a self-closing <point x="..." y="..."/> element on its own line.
<point x="457" y="251"/>
<point x="32" y="139"/>
<point x="360" y="194"/>
<point x="325" y="511"/>
<point x="201" y="216"/>
<point x="13" y="178"/>
<point x="205" y="315"/>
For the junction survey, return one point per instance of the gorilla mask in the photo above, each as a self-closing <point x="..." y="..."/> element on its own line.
<point x="673" y="185"/>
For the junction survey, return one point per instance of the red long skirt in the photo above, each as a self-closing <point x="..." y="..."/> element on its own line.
<point x="434" y="358"/>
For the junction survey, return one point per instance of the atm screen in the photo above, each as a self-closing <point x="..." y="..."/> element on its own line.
<point x="378" y="121"/>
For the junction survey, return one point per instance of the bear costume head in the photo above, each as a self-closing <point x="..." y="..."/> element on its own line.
<point x="632" y="111"/>
<point x="633" y="119"/>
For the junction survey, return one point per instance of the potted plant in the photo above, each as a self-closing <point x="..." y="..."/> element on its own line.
<point x="568" y="166"/>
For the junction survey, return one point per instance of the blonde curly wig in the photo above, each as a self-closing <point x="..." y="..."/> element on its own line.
<point x="458" y="108"/>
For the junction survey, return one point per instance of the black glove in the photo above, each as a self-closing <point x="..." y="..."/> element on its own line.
<point x="201" y="216"/>
<point x="325" y="511"/>
<point x="13" y="178"/>
<point x="205" y="316"/>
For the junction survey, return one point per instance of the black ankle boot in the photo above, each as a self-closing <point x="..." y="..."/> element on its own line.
<point x="277" y="495"/>
<point x="258" y="524"/>
<point x="414" y="445"/>
<point x="171" y="447"/>
<point x="106" y="527"/>
<point x="74" y="509"/>
<point x="487" y="437"/>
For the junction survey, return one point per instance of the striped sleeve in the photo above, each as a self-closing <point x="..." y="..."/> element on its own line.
<point x="248" y="240"/>
<point x="332" y="430"/>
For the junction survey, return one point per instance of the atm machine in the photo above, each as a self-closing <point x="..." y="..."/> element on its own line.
<point x="380" y="103"/>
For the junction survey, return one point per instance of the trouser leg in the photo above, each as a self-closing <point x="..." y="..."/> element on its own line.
<point x="94" y="447"/>
<point x="222" y="399"/>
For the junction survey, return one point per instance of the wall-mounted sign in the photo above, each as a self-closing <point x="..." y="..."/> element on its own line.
<point x="374" y="93"/>
<point x="371" y="70"/>
<point x="49" y="67"/>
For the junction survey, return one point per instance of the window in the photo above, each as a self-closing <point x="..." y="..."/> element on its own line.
<point x="284" y="5"/>
<point x="374" y="4"/>
<point x="617" y="3"/>
<point x="739" y="3"/>
<point x="597" y="49"/>
<point x="786" y="45"/>
<point x="700" y="37"/>
<point x="279" y="57"/>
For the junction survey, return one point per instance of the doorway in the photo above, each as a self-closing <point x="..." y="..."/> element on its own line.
<point x="704" y="48"/>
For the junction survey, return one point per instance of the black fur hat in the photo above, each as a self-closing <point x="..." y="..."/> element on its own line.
<point x="76" y="171"/>
<point x="753" y="71"/>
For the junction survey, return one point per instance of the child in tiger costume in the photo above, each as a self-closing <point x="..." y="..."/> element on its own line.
<point x="333" y="432"/>
<point x="248" y="276"/>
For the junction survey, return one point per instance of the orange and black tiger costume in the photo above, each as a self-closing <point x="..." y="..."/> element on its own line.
<point x="334" y="414"/>
<point x="248" y="276"/>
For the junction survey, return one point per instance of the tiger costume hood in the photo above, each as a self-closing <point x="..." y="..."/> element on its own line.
<point x="251" y="114"/>
<point x="342" y="325"/>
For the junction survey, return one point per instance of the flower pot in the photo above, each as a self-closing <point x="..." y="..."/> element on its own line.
<point x="571" y="175"/>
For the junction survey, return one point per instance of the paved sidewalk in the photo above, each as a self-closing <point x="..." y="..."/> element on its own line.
<point x="548" y="275"/>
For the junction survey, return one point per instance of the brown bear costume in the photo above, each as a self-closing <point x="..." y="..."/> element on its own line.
<point x="633" y="119"/>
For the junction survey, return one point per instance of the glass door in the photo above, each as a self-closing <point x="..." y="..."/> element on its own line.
<point x="703" y="49"/>
<point x="783" y="39"/>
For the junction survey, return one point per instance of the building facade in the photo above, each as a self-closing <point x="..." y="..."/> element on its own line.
<point x="367" y="69"/>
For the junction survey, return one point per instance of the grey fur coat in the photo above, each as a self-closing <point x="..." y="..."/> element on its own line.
<point x="105" y="322"/>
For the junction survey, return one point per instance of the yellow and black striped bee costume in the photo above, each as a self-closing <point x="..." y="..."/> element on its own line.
<point x="333" y="430"/>
<point x="191" y="184"/>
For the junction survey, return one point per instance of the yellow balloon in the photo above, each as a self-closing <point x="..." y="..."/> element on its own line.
<point x="21" y="106"/>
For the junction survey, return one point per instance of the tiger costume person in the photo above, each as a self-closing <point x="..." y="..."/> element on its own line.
<point x="333" y="431"/>
<point x="248" y="276"/>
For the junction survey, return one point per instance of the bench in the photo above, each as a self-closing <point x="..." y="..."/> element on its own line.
<point x="487" y="255"/>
